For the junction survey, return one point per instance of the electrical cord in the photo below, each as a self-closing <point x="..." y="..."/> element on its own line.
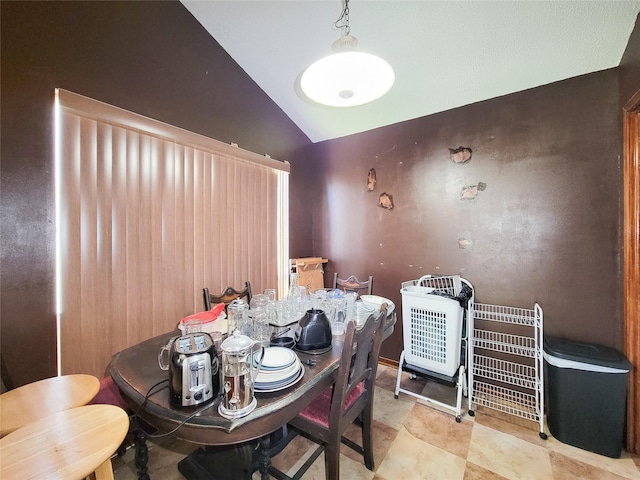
<point x="134" y="417"/>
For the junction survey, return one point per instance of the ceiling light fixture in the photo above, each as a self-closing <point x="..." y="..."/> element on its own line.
<point x="348" y="77"/>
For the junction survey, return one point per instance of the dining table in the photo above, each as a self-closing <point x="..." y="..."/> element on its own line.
<point x="144" y="386"/>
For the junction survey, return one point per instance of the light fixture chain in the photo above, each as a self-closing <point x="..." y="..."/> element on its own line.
<point x="344" y="18"/>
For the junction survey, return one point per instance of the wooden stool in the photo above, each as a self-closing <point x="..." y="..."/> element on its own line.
<point x="71" y="444"/>
<point x="31" y="402"/>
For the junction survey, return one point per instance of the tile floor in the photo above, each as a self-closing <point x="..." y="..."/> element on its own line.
<point x="415" y="441"/>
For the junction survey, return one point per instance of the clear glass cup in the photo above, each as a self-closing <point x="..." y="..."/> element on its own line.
<point x="271" y="294"/>
<point x="259" y="302"/>
<point x="261" y="328"/>
<point x="282" y="312"/>
<point x="217" y="341"/>
<point x="193" y="325"/>
<point x="337" y="326"/>
<point x="237" y="312"/>
<point x="351" y="301"/>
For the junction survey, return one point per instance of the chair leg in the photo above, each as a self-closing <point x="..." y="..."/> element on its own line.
<point x="367" y="437"/>
<point x="332" y="460"/>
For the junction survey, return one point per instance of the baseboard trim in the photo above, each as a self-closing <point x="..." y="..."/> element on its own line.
<point x="388" y="362"/>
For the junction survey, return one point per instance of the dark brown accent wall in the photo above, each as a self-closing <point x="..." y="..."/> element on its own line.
<point x="546" y="229"/>
<point x="152" y="58"/>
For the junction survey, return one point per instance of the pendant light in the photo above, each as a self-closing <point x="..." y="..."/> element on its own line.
<point x="348" y="77"/>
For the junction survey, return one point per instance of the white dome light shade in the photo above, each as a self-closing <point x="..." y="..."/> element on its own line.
<point x="347" y="79"/>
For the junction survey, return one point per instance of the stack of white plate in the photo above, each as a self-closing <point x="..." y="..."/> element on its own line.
<point x="280" y="369"/>
<point x="376" y="301"/>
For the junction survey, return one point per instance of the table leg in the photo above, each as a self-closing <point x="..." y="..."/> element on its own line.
<point x="142" y="456"/>
<point x="264" y="461"/>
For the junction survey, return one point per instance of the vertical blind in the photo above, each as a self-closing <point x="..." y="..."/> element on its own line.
<point x="147" y="215"/>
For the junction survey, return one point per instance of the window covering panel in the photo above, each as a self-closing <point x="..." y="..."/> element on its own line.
<point x="148" y="215"/>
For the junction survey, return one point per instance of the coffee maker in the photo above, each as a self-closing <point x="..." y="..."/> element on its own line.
<point x="241" y="359"/>
<point x="194" y="373"/>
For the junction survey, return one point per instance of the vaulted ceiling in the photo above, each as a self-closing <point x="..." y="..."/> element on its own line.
<point x="445" y="54"/>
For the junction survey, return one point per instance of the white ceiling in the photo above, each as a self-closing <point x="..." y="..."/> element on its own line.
<point x="445" y="53"/>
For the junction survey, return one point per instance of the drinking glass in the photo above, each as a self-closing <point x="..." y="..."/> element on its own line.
<point x="259" y="302"/>
<point x="193" y="325"/>
<point x="351" y="301"/>
<point x="337" y="326"/>
<point x="261" y="329"/>
<point x="237" y="310"/>
<point x="282" y="312"/>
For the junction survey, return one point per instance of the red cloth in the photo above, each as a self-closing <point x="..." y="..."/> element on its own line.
<point x="206" y="316"/>
<point x="318" y="410"/>
<point x="109" y="394"/>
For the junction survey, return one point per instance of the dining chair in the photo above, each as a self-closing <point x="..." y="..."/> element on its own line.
<point x="109" y="394"/>
<point x="352" y="284"/>
<point x="350" y="399"/>
<point x="227" y="296"/>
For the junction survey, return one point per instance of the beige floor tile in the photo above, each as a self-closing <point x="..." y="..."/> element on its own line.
<point x="125" y="471"/>
<point x="439" y="429"/>
<point x="349" y="469"/>
<point x="436" y="393"/>
<point x="441" y="392"/>
<point x="122" y="463"/>
<point x="383" y="368"/>
<point x="165" y="455"/>
<point x="391" y="411"/>
<point x="411" y="458"/>
<point x="414" y="441"/>
<point x="521" y="428"/>
<point x="288" y="460"/>
<point x="474" y="472"/>
<point x="624" y="466"/>
<point x="507" y="455"/>
<point x="353" y="470"/>
<point x="383" y="437"/>
<point x="566" y="468"/>
<point x="388" y="381"/>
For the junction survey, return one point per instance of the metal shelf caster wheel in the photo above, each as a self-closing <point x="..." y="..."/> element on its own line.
<point x="472" y="413"/>
<point x="458" y="419"/>
<point x="543" y="435"/>
<point x="412" y="376"/>
<point x="395" y="396"/>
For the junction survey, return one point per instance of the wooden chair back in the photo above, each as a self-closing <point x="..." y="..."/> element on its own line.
<point x="358" y="368"/>
<point x="327" y="418"/>
<point x="352" y="284"/>
<point x="228" y="295"/>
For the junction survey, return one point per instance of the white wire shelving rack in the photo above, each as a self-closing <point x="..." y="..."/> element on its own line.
<point x="506" y="359"/>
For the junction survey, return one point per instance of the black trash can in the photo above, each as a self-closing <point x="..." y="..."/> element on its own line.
<point x="587" y="390"/>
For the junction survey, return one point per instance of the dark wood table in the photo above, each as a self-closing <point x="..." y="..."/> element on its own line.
<point x="142" y="383"/>
<point x="145" y="388"/>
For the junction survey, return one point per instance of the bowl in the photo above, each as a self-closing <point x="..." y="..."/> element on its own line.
<point x="286" y="342"/>
<point x="376" y="301"/>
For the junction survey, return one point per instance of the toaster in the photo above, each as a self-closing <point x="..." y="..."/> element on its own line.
<point x="194" y="373"/>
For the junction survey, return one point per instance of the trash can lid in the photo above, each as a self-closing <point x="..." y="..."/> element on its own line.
<point x="586" y="353"/>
